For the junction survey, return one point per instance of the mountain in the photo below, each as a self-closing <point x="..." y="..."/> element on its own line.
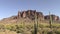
<point x="28" y="16"/>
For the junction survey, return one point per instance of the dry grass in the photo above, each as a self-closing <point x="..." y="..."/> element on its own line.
<point x="8" y="32"/>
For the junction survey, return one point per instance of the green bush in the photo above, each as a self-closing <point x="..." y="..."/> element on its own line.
<point x="57" y="32"/>
<point x="50" y="32"/>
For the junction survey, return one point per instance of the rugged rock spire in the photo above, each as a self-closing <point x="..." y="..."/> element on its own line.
<point x="24" y="14"/>
<point x="19" y="14"/>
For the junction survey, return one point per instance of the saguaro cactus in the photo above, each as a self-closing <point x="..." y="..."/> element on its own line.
<point x="35" y="24"/>
<point x="50" y="20"/>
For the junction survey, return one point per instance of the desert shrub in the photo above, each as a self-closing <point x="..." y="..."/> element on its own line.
<point x="53" y="26"/>
<point x="8" y="27"/>
<point x="56" y="25"/>
<point x="47" y="26"/>
<point x="28" y="27"/>
<point x="50" y="32"/>
<point x="19" y="26"/>
<point x="32" y="31"/>
<point x="41" y="26"/>
<point x="19" y="31"/>
<point x="44" y="32"/>
<point x="13" y="28"/>
<point x="2" y="28"/>
<point x="57" y="32"/>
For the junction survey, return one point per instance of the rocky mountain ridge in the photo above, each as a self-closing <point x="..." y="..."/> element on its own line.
<point x="30" y="15"/>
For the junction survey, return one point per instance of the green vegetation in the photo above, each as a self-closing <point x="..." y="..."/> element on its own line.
<point x="43" y="28"/>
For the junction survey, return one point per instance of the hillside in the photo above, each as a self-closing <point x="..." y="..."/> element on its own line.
<point x="29" y="16"/>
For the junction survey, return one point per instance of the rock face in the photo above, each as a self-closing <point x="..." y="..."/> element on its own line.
<point x="19" y="14"/>
<point x="30" y="14"/>
<point x="54" y="17"/>
<point x="24" y="15"/>
<point x="40" y="15"/>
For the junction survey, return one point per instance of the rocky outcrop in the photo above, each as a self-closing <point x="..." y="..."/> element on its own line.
<point x="19" y="14"/>
<point x="24" y="15"/>
<point x="54" y="17"/>
<point x="31" y="14"/>
<point x="40" y="15"/>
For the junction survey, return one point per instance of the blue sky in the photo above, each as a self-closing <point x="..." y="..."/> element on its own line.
<point x="10" y="7"/>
